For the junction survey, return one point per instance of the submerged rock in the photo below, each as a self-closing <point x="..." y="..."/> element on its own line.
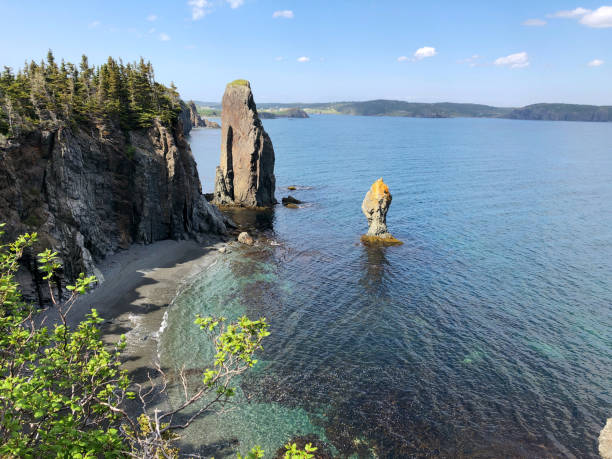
<point x="375" y="207"/>
<point x="245" y="176"/>
<point x="245" y="238"/>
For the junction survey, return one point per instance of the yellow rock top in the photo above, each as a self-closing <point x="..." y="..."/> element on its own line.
<point x="379" y="189"/>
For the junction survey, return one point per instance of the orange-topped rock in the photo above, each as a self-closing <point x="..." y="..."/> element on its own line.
<point x="375" y="207"/>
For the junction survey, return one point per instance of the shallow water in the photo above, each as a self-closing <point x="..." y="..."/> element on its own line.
<point x="487" y="334"/>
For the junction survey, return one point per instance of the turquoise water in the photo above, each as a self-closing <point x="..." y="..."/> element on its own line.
<point x="487" y="334"/>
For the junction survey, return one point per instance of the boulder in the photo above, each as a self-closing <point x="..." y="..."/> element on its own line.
<point x="290" y="200"/>
<point x="245" y="238"/>
<point x="375" y="207"/>
<point x="245" y="176"/>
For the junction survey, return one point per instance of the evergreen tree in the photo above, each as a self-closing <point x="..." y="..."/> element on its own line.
<point x="49" y="94"/>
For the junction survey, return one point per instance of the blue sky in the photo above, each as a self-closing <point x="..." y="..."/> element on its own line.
<point x="507" y="53"/>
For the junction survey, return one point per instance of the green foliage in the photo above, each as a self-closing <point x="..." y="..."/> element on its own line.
<point x="63" y="392"/>
<point x="293" y="452"/>
<point x="239" y="83"/>
<point x="255" y="453"/>
<point x="130" y="151"/>
<point x="58" y="386"/>
<point x="47" y="94"/>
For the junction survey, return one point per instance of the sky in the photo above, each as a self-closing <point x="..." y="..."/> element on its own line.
<point x="504" y="53"/>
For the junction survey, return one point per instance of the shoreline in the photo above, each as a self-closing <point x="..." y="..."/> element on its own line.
<point x="140" y="283"/>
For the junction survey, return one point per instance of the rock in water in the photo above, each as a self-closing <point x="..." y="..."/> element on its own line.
<point x="290" y="200"/>
<point x="245" y="176"/>
<point x="245" y="238"/>
<point x="375" y="207"/>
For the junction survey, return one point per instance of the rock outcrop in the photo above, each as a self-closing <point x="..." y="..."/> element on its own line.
<point x="375" y="207"/>
<point x="195" y="120"/>
<point x="91" y="191"/>
<point x="245" y="176"/>
<point x="290" y="200"/>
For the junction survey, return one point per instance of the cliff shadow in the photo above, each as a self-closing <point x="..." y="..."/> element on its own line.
<point x="248" y="219"/>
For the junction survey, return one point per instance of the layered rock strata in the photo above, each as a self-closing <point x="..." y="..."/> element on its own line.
<point x="245" y="176"/>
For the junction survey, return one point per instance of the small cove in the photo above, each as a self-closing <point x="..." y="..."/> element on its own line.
<point x="487" y="333"/>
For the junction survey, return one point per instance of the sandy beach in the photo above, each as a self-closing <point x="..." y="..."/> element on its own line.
<point x="139" y="284"/>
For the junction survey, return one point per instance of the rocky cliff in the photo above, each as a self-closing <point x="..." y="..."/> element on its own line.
<point x="245" y="176"/>
<point x="91" y="191"/>
<point x="195" y="120"/>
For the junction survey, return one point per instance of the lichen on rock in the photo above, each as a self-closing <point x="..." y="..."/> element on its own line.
<point x="375" y="207"/>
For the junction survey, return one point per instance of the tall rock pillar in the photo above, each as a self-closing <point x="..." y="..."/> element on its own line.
<point x="245" y="176"/>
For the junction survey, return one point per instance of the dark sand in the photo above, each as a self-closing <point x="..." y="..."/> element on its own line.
<point x="138" y="285"/>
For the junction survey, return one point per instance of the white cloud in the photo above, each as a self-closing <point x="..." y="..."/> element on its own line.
<point x="570" y="14"/>
<point x="303" y="59"/>
<point x="596" y="63"/>
<point x="152" y="17"/>
<point x="199" y="8"/>
<point x="514" y="61"/>
<point x="425" y="51"/>
<point x="600" y="18"/>
<point x="279" y="58"/>
<point x="285" y="14"/>
<point x="152" y="30"/>
<point x="164" y="37"/>
<point x="472" y="60"/>
<point x="534" y="23"/>
<point x="235" y="3"/>
<point x="403" y="59"/>
<point x="94" y="24"/>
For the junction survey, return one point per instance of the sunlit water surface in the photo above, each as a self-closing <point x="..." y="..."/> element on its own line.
<point x="487" y="334"/>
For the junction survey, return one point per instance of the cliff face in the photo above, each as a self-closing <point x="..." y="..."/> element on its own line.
<point x="89" y="193"/>
<point x="245" y="176"/>
<point x="191" y="117"/>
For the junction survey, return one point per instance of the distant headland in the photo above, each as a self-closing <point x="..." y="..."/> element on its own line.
<point x="382" y="107"/>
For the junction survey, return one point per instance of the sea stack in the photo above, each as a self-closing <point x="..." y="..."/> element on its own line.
<point x="245" y="176"/>
<point x="375" y="207"/>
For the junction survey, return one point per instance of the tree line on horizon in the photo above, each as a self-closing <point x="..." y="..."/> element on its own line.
<point x="47" y="94"/>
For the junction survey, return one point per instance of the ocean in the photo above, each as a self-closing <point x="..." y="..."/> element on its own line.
<point x="488" y="333"/>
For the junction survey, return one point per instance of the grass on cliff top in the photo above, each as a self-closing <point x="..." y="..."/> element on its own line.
<point x="240" y="83"/>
